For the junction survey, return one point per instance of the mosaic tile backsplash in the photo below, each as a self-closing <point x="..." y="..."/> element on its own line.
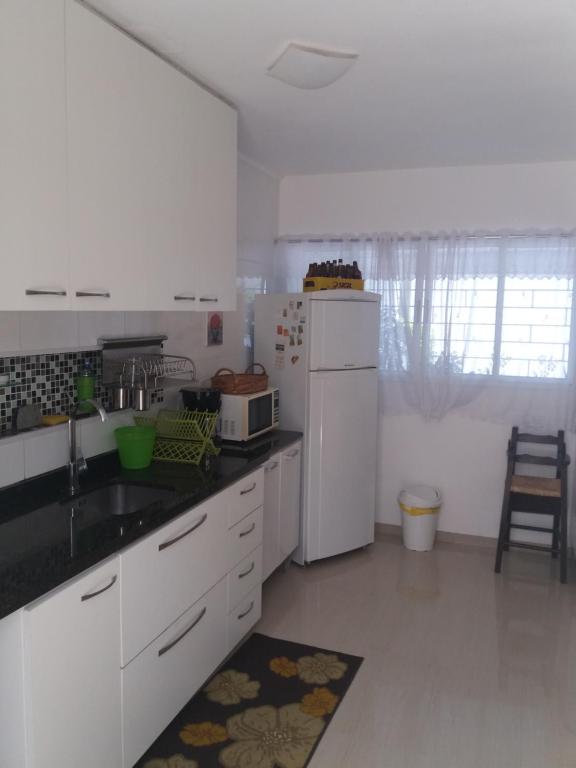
<point x="48" y="380"/>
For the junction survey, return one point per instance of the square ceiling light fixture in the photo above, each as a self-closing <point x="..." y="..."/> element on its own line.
<point x="310" y="66"/>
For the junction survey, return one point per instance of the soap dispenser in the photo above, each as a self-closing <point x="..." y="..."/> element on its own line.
<point x="85" y="386"/>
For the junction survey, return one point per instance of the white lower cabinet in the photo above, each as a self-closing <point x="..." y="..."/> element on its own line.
<point x="170" y="648"/>
<point x="163" y="574"/>
<point x="158" y="682"/>
<point x="72" y="674"/>
<point x="281" y="534"/>
<point x="242" y="618"/>
<point x="100" y="666"/>
<point x="245" y="577"/>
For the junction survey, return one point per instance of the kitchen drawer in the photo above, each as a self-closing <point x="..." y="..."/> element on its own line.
<point x="157" y="684"/>
<point x="244" y="537"/>
<point x="245" y="577"/>
<point x="163" y="574"/>
<point x="245" y="496"/>
<point x="244" y="616"/>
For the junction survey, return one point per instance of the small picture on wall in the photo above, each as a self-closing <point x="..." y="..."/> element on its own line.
<point x="214" y="334"/>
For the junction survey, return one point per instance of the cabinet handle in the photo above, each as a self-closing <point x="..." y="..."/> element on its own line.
<point x="196" y="525"/>
<point x="90" y="595"/>
<point x="171" y="645"/>
<point x="184" y="298"/>
<point x="270" y="467"/>
<point x="245" y="533"/>
<point x="36" y="292"/>
<point x="247" y="611"/>
<point x="248" y="572"/>
<point x="93" y="294"/>
<point x="293" y="454"/>
<point x="208" y="298"/>
<point x="248" y="490"/>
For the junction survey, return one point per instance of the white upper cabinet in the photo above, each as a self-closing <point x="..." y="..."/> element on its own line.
<point x="215" y="201"/>
<point x="118" y="183"/>
<point x="33" y="247"/>
<point x="152" y="164"/>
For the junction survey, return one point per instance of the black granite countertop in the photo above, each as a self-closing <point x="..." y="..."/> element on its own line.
<point x="47" y="538"/>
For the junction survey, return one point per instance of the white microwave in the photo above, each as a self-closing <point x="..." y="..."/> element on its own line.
<point x="243" y="417"/>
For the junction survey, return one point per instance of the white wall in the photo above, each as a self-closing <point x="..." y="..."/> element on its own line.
<point x="465" y="458"/>
<point x="485" y="197"/>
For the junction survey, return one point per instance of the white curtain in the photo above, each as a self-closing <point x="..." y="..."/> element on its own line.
<point x="482" y="323"/>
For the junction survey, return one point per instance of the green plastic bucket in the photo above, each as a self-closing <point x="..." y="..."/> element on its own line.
<point x="135" y="446"/>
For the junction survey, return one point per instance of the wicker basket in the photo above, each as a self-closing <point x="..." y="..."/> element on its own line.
<point x="230" y="383"/>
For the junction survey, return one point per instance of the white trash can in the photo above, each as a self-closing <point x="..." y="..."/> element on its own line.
<point x="420" y="505"/>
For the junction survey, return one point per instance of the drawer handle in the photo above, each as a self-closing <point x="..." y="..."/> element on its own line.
<point x="93" y="294"/>
<point x="208" y="298"/>
<point x="248" y="572"/>
<point x="36" y="292"/>
<point x="245" y="533"/>
<point x="184" y="298"/>
<point x="196" y="525"/>
<point x="248" y="490"/>
<point x="171" y="645"/>
<point x="247" y="611"/>
<point x="270" y="467"/>
<point x="90" y="595"/>
<point x="293" y="454"/>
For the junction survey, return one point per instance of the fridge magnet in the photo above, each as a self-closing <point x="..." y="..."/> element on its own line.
<point x="299" y="341"/>
<point x="279" y="362"/>
<point x="294" y="359"/>
<point x="279" y="330"/>
<point x="279" y="347"/>
<point x="292" y="341"/>
<point x="291" y="304"/>
<point x="286" y="332"/>
<point x="298" y="304"/>
<point x="214" y="329"/>
<point x="284" y="312"/>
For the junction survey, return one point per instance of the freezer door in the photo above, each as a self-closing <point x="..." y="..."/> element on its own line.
<point x="343" y="334"/>
<point x="341" y="468"/>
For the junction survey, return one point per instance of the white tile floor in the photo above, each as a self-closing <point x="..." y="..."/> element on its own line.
<point x="463" y="668"/>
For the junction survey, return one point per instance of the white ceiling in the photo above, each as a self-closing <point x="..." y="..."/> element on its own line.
<point x="438" y="82"/>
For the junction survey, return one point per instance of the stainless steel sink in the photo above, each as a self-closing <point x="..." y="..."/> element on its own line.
<point x="119" y="498"/>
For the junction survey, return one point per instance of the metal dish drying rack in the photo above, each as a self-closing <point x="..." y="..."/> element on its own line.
<point x="156" y="368"/>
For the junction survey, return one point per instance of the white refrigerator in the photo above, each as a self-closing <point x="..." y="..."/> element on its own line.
<point x="321" y="350"/>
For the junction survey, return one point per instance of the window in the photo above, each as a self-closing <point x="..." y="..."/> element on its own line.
<point x="498" y="306"/>
<point x="502" y="325"/>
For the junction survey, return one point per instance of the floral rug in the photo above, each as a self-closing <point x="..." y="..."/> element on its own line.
<point x="268" y="707"/>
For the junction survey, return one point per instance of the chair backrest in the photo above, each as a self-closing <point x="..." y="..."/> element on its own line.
<point x="519" y="456"/>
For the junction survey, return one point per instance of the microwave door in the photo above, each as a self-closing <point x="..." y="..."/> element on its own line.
<point x="260" y="411"/>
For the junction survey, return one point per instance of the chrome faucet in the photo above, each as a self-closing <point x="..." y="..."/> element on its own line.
<point x="77" y="464"/>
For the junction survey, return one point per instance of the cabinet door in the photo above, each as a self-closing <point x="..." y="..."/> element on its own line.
<point x="160" y="680"/>
<point x="216" y="233"/>
<point x="130" y="174"/>
<point x="271" y="551"/>
<point x="163" y="574"/>
<point x="289" y="518"/>
<point x="33" y="251"/>
<point x="72" y="674"/>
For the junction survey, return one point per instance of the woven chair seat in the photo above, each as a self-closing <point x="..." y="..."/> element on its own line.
<point x="536" y="486"/>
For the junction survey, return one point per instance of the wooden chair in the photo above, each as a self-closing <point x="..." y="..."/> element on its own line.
<point x="538" y="495"/>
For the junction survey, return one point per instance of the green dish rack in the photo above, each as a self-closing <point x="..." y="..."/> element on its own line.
<point x="182" y="436"/>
